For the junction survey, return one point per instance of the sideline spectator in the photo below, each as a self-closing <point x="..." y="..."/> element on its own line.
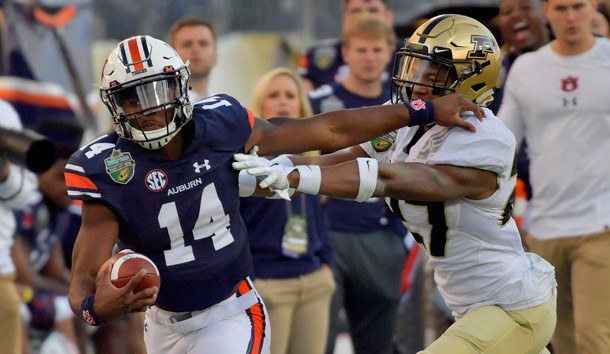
<point x="289" y="242"/>
<point x="194" y="40"/>
<point x="366" y="237"/>
<point x="322" y="63"/>
<point x="601" y="19"/>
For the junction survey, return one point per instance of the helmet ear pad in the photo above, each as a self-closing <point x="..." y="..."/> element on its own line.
<point x="152" y="73"/>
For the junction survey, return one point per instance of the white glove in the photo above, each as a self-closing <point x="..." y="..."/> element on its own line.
<point x="273" y="174"/>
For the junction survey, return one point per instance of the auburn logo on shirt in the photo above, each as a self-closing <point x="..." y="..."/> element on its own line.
<point x="569" y="84"/>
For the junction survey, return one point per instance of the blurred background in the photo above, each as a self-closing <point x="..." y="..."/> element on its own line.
<point x="61" y="44"/>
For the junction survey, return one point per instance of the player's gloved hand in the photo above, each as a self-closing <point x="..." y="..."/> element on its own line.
<point x="273" y="174"/>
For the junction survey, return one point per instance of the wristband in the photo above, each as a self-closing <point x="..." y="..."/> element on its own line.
<point x="310" y="179"/>
<point x="247" y="184"/>
<point x="420" y="112"/>
<point x="87" y="312"/>
<point x="367" y="169"/>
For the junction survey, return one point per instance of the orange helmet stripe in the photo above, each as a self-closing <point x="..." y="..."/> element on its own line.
<point x="134" y="51"/>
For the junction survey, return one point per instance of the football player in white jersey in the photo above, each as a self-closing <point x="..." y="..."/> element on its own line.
<point x="453" y="189"/>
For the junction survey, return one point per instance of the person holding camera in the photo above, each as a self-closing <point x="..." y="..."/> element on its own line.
<point x="17" y="185"/>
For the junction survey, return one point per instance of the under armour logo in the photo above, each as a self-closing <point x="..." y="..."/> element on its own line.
<point x="567" y="101"/>
<point x="206" y="164"/>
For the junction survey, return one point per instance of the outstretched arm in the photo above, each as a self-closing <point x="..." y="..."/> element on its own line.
<point x="343" y="128"/>
<point x="406" y="181"/>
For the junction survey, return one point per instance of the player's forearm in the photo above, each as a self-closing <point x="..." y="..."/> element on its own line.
<point x="329" y="131"/>
<point x="80" y="287"/>
<point x="326" y="159"/>
<point x="341" y="181"/>
<point x="354" y="126"/>
<point x="421" y="182"/>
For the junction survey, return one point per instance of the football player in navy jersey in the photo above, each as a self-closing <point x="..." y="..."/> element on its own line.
<point x="162" y="184"/>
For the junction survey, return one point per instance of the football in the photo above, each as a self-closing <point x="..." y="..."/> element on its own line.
<point x="128" y="264"/>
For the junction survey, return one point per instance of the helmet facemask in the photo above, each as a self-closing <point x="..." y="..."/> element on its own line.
<point x="414" y="70"/>
<point x="129" y="103"/>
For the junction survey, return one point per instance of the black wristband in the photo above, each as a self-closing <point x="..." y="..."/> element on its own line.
<point x="420" y="112"/>
<point x="87" y="312"/>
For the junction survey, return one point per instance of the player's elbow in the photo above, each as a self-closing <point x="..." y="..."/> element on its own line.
<point x="75" y="302"/>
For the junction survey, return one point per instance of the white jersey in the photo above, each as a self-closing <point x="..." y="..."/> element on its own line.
<point x="473" y="245"/>
<point x="15" y="193"/>
<point x="560" y="105"/>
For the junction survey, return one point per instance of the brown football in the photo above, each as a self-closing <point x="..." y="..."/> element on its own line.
<point x="129" y="264"/>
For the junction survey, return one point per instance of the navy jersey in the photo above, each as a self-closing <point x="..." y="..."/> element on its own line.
<point x="335" y="97"/>
<point x="182" y="214"/>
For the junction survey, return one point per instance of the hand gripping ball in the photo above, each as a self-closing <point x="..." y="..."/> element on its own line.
<point x="129" y="264"/>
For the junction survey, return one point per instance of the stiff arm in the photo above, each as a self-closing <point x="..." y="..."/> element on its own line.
<point x="335" y="130"/>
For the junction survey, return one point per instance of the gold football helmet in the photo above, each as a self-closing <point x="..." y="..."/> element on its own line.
<point x="449" y="53"/>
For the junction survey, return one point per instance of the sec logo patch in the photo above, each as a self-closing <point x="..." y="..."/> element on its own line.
<point x="156" y="180"/>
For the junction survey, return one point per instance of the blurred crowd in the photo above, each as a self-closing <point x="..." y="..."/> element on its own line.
<point x="326" y="268"/>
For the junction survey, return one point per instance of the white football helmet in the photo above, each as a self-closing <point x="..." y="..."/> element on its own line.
<point x="149" y="71"/>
